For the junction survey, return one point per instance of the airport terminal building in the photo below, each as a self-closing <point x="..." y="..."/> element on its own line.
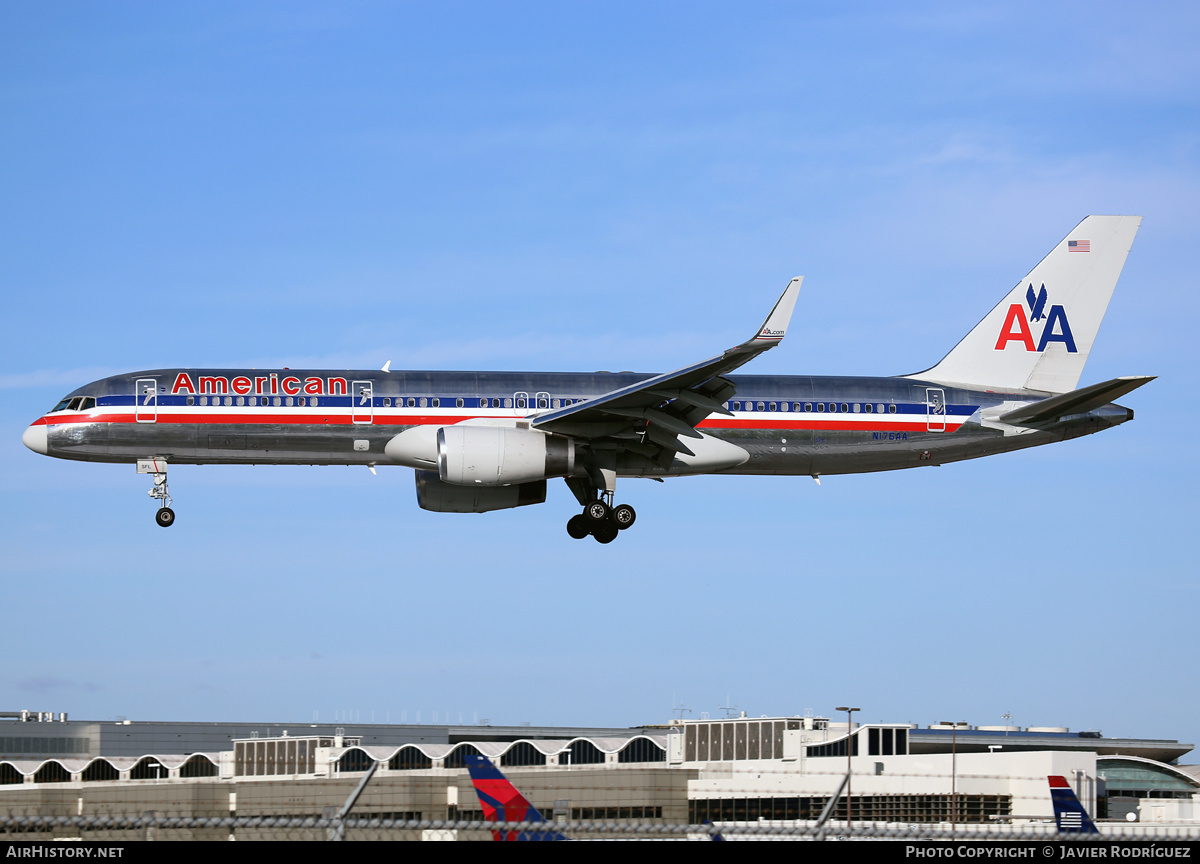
<point x="738" y="770"/>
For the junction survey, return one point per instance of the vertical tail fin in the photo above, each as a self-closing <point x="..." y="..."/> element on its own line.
<point x="1040" y="335"/>
<point x="502" y="802"/>
<point x="1068" y="812"/>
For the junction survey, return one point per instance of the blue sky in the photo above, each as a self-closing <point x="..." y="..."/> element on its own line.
<point x="594" y="186"/>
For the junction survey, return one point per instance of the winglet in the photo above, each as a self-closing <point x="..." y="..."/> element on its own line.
<point x="775" y="327"/>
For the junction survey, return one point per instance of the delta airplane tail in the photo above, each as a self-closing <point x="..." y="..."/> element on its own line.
<point x="1039" y="336"/>
<point x="502" y="802"/>
<point x="1068" y="812"/>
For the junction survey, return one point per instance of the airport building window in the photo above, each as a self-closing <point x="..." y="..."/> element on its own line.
<point x="149" y="769"/>
<point x="642" y="750"/>
<point x="582" y="753"/>
<point x="352" y="760"/>
<point x="52" y="772"/>
<point x="522" y="753"/>
<point x="455" y="757"/>
<point x="100" y="771"/>
<point x="410" y="759"/>
<point x="201" y="766"/>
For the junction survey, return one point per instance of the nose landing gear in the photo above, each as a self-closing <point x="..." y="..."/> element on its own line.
<point x="165" y="516"/>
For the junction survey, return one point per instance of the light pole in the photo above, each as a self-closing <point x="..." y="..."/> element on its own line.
<point x="849" y="751"/>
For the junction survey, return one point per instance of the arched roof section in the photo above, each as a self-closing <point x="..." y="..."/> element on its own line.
<point x="521" y="754"/>
<point x="583" y="752"/>
<point x="454" y="759"/>
<point x="9" y="774"/>
<point x="1138" y="773"/>
<point x="100" y="770"/>
<point x="199" y="765"/>
<point x="410" y="759"/>
<point x="355" y="759"/>
<point x="149" y="768"/>
<point x="52" y="771"/>
<point x="643" y="748"/>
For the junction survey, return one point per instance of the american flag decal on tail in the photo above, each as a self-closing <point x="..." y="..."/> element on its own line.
<point x="1079" y="245"/>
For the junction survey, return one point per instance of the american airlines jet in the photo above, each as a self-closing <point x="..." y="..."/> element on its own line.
<point x="483" y="441"/>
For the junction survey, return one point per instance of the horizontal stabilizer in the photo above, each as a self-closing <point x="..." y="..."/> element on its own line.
<point x="1076" y="402"/>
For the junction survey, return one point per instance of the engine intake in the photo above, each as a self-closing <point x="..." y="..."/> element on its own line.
<point x="501" y="456"/>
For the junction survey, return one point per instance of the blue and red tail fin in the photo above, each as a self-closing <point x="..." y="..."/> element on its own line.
<point x="502" y="802"/>
<point x="1068" y="812"/>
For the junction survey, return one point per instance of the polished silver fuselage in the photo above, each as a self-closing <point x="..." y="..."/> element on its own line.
<point x="790" y="425"/>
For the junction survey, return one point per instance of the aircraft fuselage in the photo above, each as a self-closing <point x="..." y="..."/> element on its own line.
<point x="789" y="425"/>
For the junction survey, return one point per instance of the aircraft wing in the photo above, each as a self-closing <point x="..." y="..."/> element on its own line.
<point x="652" y="414"/>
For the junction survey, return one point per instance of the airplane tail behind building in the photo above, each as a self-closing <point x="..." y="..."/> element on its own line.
<point x="1039" y="336"/>
<point x="1068" y="812"/>
<point x="502" y="802"/>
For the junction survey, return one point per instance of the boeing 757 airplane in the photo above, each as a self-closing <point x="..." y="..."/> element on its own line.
<point x="483" y="441"/>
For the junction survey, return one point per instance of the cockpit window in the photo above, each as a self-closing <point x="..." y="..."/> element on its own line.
<point x="88" y="402"/>
<point x="74" y="404"/>
<point x="61" y="405"/>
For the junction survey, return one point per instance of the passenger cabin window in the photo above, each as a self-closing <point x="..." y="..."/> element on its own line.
<point x="892" y="408"/>
<point x="435" y="402"/>
<point x="458" y="403"/>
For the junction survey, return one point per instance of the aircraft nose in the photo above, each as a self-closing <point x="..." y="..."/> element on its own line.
<point x="35" y="439"/>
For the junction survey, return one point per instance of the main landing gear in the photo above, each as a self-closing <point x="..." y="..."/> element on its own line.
<point x="164" y="516"/>
<point x="601" y="519"/>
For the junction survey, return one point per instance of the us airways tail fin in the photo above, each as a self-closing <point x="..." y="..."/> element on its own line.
<point x="503" y="803"/>
<point x="1040" y="335"/>
<point x="1068" y="812"/>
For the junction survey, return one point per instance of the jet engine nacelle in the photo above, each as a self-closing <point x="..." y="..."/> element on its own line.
<point x="498" y="456"/>
<point x="433" y="494"/>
